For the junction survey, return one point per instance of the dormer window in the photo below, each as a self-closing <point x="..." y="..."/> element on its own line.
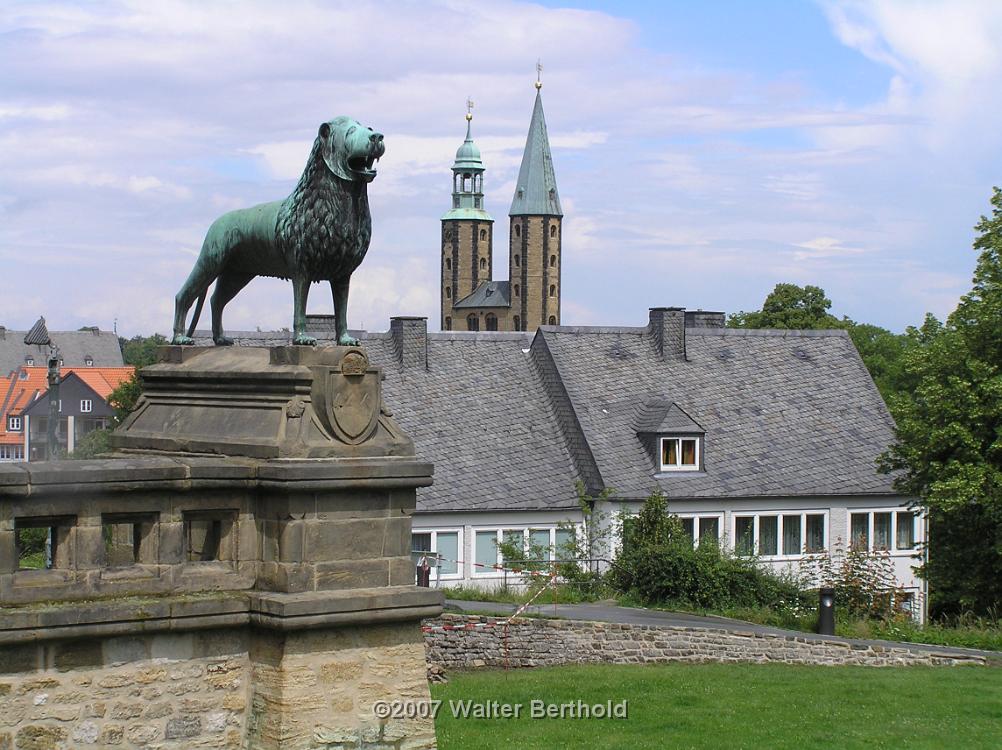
<point x="680" y="453"/>
<point x="13" y="424"/>
<point x="29" y="361"/>
<point x="88" y="361"/>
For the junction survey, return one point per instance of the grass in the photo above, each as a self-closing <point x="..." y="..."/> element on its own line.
<point x="734" y="706"/>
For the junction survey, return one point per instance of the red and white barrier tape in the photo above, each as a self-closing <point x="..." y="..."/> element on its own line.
<point x="474" y="625"/>
<point x="488" y="566"/>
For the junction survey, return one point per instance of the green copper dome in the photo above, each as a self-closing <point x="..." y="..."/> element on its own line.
<point x="468" y="155"/>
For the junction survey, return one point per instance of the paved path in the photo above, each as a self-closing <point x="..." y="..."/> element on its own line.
<point x="609" y="612"/>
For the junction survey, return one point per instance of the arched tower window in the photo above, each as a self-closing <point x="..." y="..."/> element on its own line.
<point x="518" y="323"/>
<point x="552" y="321"/>
<point x="466" y="182"/>
<point x="483" y="234"/>
<point x="448" y="264"/>
<point x="448" y="234"/>
<point x="483" y="263"/>
<point x="448" y="324"/>
<point x="553" y="261"/>
<point x="518" y="230"/>
<point x="518" y="261"/>
<point x="553" y="230"/>
<point x="553" y="290"/>
<point x="516" y="290"/>
<point x="448" y="292"/>
<point x="472" y="322"/>
<point x="492" y="321"/>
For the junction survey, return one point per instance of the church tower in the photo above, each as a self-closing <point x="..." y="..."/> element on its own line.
<point x="535" y="232"/>
<point x="467" y="231"/>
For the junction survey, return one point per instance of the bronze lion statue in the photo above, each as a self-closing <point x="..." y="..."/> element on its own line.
<point x="320" y="232"/>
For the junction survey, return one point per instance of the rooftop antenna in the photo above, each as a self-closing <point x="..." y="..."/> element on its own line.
<point x="539" y="74"/>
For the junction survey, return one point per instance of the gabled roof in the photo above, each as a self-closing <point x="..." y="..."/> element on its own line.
<point x="74" y="347"/>
<point x="488" y="294"/>
<point x="536" y="188"/>
<point x="659" y="415"/>
<point x="26" y="385"/>
<point x="785" y="413"/>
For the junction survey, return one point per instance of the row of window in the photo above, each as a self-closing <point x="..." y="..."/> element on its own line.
<point x="483" y="265"/>
<point x="129" y="539"/>
<point x="553" y="261"/>
<point x="794" y="534"/>
<point x="491" y="322"/>
<point x="86" y="407"/>
<point x="553" y="229"/>
<point x="11" y="452"/>
<point x="29" y="361"/>
<point x="547" y="542"/>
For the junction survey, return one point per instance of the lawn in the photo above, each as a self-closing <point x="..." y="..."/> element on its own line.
<point x="734" y="706"/>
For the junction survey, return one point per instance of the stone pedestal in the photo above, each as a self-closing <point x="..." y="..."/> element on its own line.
<point x="267" y="598"/>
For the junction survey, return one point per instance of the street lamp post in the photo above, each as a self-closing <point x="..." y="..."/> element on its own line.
<point x="51" y="447"/>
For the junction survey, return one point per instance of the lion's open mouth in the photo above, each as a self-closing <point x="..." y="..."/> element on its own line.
<point x="363" y="164"/>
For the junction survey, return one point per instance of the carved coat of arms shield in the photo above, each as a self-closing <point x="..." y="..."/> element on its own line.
<point x="348" y="400"/>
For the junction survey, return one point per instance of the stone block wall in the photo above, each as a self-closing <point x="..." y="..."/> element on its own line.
<point x="537" y="643"/>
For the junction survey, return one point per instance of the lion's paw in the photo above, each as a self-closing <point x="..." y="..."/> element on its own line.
<point x="223" y="341"/>
<point x="345" y="340"/>
<point x="182" y="340"/>
<point x="304" y="340"/>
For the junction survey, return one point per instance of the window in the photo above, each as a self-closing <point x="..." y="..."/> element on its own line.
<point x="30" y="361"/>
<point x="553" y="290"/>
<point x="444" y="545"/>
<point x="128" y="539"/>
<point x="553" y="230"/>
<point x="553" y="261"/>
<point x="701" y="529"/>
<point x="86" y="406"/>
<point x="448" y="292"/>
<point x="208" y="535"/>
<point x="88" y="361"/>
<point x="448" y="232"/>
<point x="448" y="264"/>
<point x="455" y="203"/>
<point x="486" y="551"/>
<point x="11" y="452"/>
<point x="42" y="543"/>
<point x="779" y="534"/>
<point x="517" y="323"/>
<point x="883" y="530"/>
<point x="472" y="322"/>
<point x="448" y="323"/>
<point x="518" y="260"/>
<point x="491" y="321"/>
<point x="518" y="231"/>
<point x="680" y="454"/>
<point x="483" y="263"/>
<point x="552" y="321"/>
<point x="483" y="234"/>
<point x="14" y="424"/>
<point x="476" y="202"/>
<point x="516" y="290"/>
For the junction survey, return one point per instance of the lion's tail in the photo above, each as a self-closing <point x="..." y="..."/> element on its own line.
<point x="198" y="311"/>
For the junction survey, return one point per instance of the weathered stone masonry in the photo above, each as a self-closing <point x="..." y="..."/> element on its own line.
<point x="538" y="643"/>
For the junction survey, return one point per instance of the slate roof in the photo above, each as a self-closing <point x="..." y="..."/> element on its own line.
<point x="786" y="413"/>
<point x="536" y="187"/>
<point x="488" y="294"/>
<point x="74" y="347"/>
<point x="659" y="415"/>
<point x="512" y="422"/>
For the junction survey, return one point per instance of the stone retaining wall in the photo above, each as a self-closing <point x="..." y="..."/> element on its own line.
<point x="540" y="642"/>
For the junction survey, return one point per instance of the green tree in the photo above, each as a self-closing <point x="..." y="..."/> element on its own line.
<point x="790" y="307"/>
<point x="949" y="435"/>
<point x="140" y="351"/>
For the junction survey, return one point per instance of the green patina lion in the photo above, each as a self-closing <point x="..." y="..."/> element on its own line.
<point x="319" y="233"/>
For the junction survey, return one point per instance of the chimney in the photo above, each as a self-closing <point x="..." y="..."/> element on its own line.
<point x="704" y="319"/>
<point x="667" y="329"/>
<point x="410" y="341"/>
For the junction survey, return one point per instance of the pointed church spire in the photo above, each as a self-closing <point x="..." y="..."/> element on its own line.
<point x="536" y="189"/>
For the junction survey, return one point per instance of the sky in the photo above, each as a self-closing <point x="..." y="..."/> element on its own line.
<point x="704" y="152"/>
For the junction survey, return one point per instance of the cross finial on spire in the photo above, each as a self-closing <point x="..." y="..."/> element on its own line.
<point x="539" y="74"/>
<point x="469" y="109"/>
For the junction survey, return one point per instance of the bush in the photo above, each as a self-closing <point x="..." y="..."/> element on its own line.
<point x="658" y="565"/>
